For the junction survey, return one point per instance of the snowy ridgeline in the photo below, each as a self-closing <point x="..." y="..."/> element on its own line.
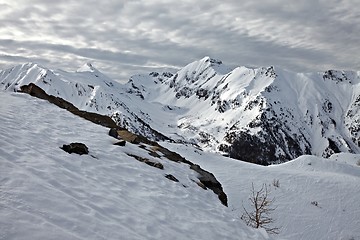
<point x="47" y="193"/>
<point x="264" y="115"/>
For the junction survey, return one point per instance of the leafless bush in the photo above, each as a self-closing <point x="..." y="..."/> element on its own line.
<point x="261" y="209"/>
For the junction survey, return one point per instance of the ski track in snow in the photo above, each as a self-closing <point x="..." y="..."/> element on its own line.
<point x="46" y="193"/>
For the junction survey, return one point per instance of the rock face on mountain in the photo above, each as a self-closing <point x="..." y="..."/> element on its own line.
<point x="265" y="115"/>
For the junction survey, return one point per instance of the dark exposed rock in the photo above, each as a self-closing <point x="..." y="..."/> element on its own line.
<point x="184" y="92"/>
<point x="78" y="148"/>
<point x="331" y="149"/>
<point x="113" y="133"/>
<point x="251" y="149"/>
<point x="147" y="161"/>
<point x="126" y="135"/>
<point x="209" y="180"/>
<point x="167" y="74"/>
<point x="154" y="154"/>
<point x="96" y="118"/>
<point x="335" y="75"/>
<point x="205" y="177"/>
<point x="154" y="74"/>
<point x="202" y="93"/>
<point x="271" y="145"/>
<point x="145" y="130"/>
<point x="171" y="177"/>
<point x="120" y="143"/>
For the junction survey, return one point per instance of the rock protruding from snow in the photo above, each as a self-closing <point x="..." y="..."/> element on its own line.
<point x="78" y="148"/>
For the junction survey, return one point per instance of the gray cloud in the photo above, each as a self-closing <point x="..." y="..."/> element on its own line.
<point x="127" y="37"/>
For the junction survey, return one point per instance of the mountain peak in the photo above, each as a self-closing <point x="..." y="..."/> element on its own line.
<point x="87" y="67"/>
<point x="212" y="61"/>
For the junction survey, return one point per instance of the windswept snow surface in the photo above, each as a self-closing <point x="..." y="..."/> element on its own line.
<point x="46" y="193"/>
<point x="317" y="198"/>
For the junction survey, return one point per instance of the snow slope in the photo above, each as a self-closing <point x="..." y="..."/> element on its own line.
<point x="317" y="198"/>
<point x="46" y="193"/>
<point x="88" y="90"/>
<point x="49" y="194"/>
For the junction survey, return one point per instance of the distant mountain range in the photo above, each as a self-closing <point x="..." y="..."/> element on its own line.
<point x="261" y="115"/>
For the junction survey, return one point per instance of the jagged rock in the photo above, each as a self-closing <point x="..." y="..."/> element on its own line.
<point x="78" y="148"/>
<point x="206" y="178"/>
<point x="171" y="177"/>
<point x="96" y="118"/>
<point x="209" y="181"/>
<point x="147" y="161"/>
<point x="120" y="143"/>
<point x="125" y="135"/>
<point x="113" y="133"/>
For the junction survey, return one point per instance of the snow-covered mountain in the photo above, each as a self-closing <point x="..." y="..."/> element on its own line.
<point x="263" y="115"/>
<point x="46" y="193"/>
<point x="260" y="115"/>
<point x="141" y="189"/>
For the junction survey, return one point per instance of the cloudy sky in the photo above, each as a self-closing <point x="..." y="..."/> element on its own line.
<point x="122" y="38"/>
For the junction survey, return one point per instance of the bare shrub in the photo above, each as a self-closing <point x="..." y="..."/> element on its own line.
<point x="261" y="209"/>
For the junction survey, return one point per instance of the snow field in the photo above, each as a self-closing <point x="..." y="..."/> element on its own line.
<point x="46" y="193"/>
<point x="317" y="198"/>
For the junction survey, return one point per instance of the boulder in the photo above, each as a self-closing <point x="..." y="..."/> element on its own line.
<point x="78" y="148"/>
<point x="120" y="143"/>
<point x="171" y="177"/>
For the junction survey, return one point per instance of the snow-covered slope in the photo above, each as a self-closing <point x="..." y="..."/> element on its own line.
<point x="264" y="115"/>
<point x="315" y="198"/>
<point x="88" y="89"/>
<point x="46" y="193"/>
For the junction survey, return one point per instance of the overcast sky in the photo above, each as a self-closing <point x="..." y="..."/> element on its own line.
<point x="122" y="38"/>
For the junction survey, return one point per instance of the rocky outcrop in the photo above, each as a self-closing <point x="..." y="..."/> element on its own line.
<point x="78" y="148"/>
<point x="206" y="178"/>
<point x="96" y="118"/>
<point x="147" y="161"/>
<point x="171" y="177"/>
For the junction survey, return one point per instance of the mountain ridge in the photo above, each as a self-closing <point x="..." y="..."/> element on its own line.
<point x="262" y="115"/>
<point x="259" y="88"/>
